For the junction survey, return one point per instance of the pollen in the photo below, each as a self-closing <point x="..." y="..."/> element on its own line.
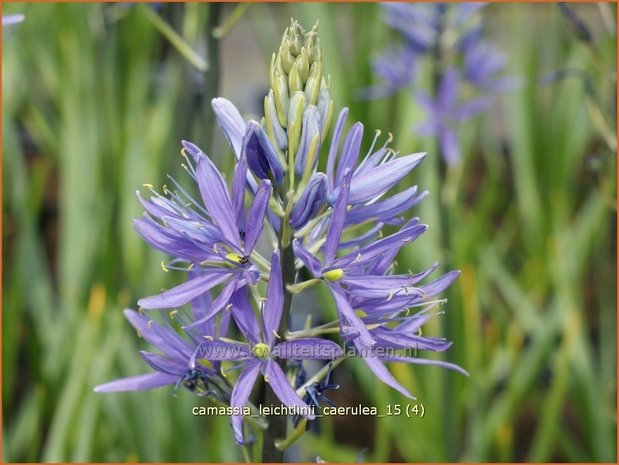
<point x="333" y="275"/>
<point x="233" y="257"/>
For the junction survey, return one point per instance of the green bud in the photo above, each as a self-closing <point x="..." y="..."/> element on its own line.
<point x="303" y="64"/>
<point x="279" y="67"/>
<point x="315" y="70"/>
<point x="294" y="79"/>
<point x="280" y="90"/>
<point x="286" y="57"/>
<point x="325" y="110"/>
<point x="275" y="131"/>
<point x="295" y="120"/>
<point x="312" y="87"/>
<point x="295" y="37"/>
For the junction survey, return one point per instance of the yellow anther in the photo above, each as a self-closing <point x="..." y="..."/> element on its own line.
<point x="266" y="378"/>
<point x="333" y="275"/>
<point x="173" y="314"/>
<point x="233" y="257"/>
<point x="190" y="267"/>
<point x="149" y="186"/>
<point x="208" y="338"/>
<point x="163" y="267"/>
<point x="360" y="313"/>
<point x="276" y="335"/>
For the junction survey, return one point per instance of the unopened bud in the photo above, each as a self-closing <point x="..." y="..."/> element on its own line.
<point x="295" y="83"/>
<point x="280" y="90"/>
<point x="312" y="86"/>
<point x="325" y="110"/>
<point x="305" y="158"/>
<point x="303" y="64"/>
<point x="295" y="120"/>
<point x="276" y="133"/>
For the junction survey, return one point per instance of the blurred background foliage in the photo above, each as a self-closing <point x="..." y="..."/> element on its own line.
<point x="95" y="101"/>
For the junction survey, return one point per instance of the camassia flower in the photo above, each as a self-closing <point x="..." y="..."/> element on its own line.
<point x="177" y="365"/>
<point x="282" y="205"/>
<point x="217" y="240"/>
<point x="466" y="69"/>
<point x="259" y="354"/>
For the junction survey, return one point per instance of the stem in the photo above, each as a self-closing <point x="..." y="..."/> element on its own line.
<point x="441" y="170"/>
<point x="277" y="423"/>
<point x="211" y="75"/>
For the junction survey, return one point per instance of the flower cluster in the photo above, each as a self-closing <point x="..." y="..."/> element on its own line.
<point x="279" y="228"/>
<point x="467" y="69"/>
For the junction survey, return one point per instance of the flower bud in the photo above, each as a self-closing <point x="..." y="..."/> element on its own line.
<point x="312" y="86"/>
<point x="305" y="158"/>
<point x="260" y="154"/>
<point x="276" y="133"/>
<point x="295" y="120"/>
<point x="325" y="110"/>
<point x="286" y="57"/>
<point x="295" y="83"/>
<point x="280" y="93"/>
<point x="310" y="202"/>
<point x="303" y="64"/>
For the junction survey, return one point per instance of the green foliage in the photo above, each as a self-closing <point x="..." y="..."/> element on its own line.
<point x="95" y="102"/>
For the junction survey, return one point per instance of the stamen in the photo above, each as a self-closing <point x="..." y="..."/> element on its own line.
<point x="333" y="275"/>
<point x="208" y="338"/>
<point x="173" y="313"/>
<point x="164" y="267"/>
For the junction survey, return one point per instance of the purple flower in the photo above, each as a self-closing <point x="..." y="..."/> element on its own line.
<point x="378" y="172"/>
<point x="217" y="240"/>
<point x="399" y="343"/>
<point x="175" y="365"/>
<point x="445" y="113"/>
<point x="258" y="355"/>
<point x="12" y="19"/>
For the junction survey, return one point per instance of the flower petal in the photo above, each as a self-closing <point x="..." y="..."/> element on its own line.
<point x="382" y="373"/>
<point x="255" y="219"/>
<point x="244" y="316"/>
<point x="424" y="361"/>
<point x="186" y="292"/>
<point x="137" y="383"/>
<point x="378" y="180"/>
<point x="348" y="314"/>
<point x="217" y="199"/>
<point x="333" y="149"/>
<point x="282" y="388"/>
<point x="307" y="258"/>
<point x="220" y="350"/>
<point x="231" y="123"/>
<point x="163" y="338"/>
<point x="273" y="307"/>
<point x="308" y="348"/>
<point x="240" y="395"/>
<point x="163" y="364"/>
<point x="338" y="217"/>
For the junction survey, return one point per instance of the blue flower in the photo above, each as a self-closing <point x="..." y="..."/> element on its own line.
<point x="217" y="239"/>
<point x="258" y="355"/>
